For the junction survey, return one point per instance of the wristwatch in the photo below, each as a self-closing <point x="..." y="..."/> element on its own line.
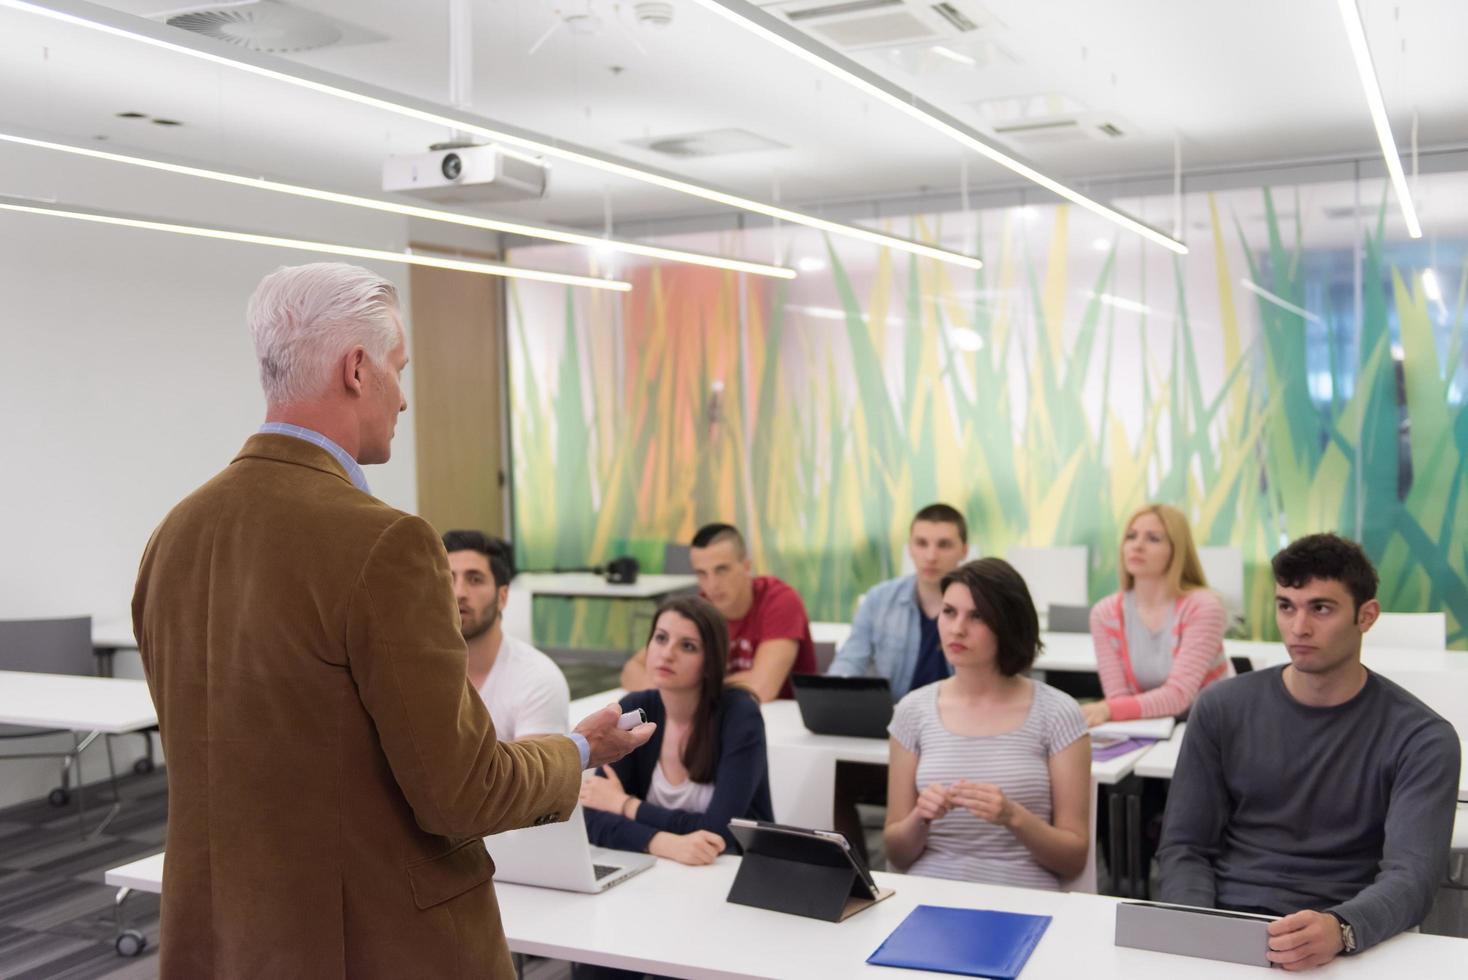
<point x="1348" y="934"/>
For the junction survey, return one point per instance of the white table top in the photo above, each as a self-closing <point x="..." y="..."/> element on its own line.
<point x="81" y="704"/>
<point x="1075" y="652"/>
<point x="113" y="631"/>
<point x="585" y="585"/>
<point x="675" y="920"/>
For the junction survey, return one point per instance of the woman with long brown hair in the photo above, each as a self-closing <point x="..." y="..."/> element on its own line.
<point x="706" y="764"/>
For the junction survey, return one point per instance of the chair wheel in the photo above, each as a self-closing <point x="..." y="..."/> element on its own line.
<point x="143" y="766"/>
<point x="130" y="943"/>
<point x="59" y="796"/>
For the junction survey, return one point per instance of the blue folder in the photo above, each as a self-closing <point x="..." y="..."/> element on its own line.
<point x="971" y="942"/>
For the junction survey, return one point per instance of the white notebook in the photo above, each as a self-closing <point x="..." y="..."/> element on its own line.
<point x="1158" y="728"/>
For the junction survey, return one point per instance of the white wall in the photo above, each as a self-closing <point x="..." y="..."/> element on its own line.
<point x="128" y="379"/>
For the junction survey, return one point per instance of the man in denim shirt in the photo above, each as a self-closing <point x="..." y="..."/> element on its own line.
<point x="895" y="634"/>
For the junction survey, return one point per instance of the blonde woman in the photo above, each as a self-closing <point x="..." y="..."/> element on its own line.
<point x="1159" y="641"/>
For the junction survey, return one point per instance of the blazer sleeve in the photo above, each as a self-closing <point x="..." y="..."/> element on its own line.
<point x="737" y="778"/>
<point x="1198" y="658"/>
<point x="407" y="657"/>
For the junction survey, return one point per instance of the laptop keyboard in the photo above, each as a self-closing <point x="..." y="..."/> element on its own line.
<point x="603" y="870"/>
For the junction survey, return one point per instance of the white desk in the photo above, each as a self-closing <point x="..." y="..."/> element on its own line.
<point x="585" y="585"/>
<point x="1074" y="652"/>
<point x="674" y="920"/>
<point x="105" y="705"/>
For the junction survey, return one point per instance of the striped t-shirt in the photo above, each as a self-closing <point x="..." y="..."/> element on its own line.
<point x="960" y="845"/>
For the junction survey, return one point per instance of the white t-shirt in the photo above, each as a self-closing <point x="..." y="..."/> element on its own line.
<point x="526" y="693"/>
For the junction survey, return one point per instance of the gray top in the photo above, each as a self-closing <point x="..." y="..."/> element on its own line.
<point x="960" y="845"/>
<point x="1278" y="806"/>
<point x="1149" y="651"/>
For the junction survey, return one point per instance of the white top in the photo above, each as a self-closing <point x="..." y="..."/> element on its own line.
<point x="687" y="795"/>
<point x="81" y="704"/>
<point x="525" y="692"/>
<point x="961" y="845"/>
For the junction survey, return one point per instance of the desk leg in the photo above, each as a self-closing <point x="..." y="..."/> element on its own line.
<point x="1135" y="872"/>
<point x="1116" y="840"/>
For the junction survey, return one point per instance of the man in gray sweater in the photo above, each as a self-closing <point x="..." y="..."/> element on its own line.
<point x="1318" y="791"/>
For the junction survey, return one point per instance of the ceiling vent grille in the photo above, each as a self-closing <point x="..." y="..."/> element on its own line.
<point x="711" y="143"/>
<point x="856" y="24"/>
<point x="270" y="26"/>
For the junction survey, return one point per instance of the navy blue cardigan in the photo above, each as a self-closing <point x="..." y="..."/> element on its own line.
<point x="741" y="777"/>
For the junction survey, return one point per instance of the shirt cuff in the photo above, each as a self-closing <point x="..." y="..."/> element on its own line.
<point x="582" y="746"/>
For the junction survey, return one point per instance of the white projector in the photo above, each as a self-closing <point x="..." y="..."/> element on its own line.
<point x="466" y="174"/>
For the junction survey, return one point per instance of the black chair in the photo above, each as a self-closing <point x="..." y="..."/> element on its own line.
<point x="1068" y="619"/>
<point x="1242" y="665"/>
<point x="53" y="646"/>
<point x="676" y="560"/>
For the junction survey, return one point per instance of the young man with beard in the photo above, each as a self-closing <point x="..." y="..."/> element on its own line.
<point x="524" y="690"/>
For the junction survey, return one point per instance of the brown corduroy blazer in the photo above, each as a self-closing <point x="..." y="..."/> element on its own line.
<point x="330" y="770"/>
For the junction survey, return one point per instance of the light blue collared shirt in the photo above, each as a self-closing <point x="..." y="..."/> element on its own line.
<point x="353" y="468"/>
<point x="359" y="480"/>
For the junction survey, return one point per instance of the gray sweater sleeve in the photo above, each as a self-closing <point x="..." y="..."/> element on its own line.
<point x="1419" y="828"/>
<point x="1197" y="809"/>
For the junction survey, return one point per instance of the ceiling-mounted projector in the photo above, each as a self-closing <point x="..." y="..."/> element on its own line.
<point x="466" y="174"/>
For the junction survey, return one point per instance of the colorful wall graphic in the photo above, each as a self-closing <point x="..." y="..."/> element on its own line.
<point x="1295" y="372"/>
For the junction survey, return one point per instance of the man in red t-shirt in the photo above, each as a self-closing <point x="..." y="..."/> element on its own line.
<point x="769" y="632"/>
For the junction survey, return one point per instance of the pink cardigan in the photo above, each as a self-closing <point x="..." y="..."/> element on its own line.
<point x="1197" y="660"/>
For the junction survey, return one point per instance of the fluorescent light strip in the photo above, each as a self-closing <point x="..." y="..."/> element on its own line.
<point x="402" y="258"/>
<point x="1283" y="304"/>
<point x="813" y="52"/>
<point x="139" y="29"/>
<point x="413" y="211"/>
<point x="1361" y="51"/>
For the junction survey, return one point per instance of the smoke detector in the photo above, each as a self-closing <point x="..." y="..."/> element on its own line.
<point x="267" y="25"/>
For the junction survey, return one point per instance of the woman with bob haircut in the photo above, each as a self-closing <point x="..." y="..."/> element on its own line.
<point x="674" y="796"/>
<point x="990" y="773"/>
<point x="1159" y="641"/>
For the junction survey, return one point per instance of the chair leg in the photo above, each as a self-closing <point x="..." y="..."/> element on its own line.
<point x="75" y="761"/>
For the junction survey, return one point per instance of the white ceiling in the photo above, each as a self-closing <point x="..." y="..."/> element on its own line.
<point x="1233" y="81"/>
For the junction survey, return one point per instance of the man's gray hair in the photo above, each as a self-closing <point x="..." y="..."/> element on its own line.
<point x="303" y="318"/>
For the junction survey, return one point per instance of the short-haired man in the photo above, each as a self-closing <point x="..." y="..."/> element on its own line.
<point x="330" y="771"/>
<point x="895" y="633"/>
<point x="524" y="690"/>
<point x="769" y="632"/>
<point x="1317" y="791"/>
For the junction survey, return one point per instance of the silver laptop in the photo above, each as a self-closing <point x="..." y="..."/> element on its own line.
<point x="558" y="855"/>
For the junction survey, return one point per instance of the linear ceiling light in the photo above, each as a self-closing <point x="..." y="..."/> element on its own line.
<point x="107" y="21"/>
<point x="402" y="258"/>
<point x="813" y="52"/>
<point x="413" y="211"/>
<point x="1361" y="51"/>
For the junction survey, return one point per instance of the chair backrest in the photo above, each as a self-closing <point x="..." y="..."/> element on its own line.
<point x="516" y="618"/>
<point x="1055" y="576"/>
<point x="1068" y="619"/>
<point x="1224" y="569"/>
<point x="676" y="560"/>
<point x="1415" y="631"/>
<point x="1444" y="691"/>
<point x="48" y="646"/>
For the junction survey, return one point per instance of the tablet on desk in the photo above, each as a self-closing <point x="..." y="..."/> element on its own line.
<point x="1213" y="934"/>
<point x="814" y="873"/>
<point x="854" y="706"/>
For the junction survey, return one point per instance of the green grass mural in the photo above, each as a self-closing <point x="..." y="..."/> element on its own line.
<point x="703" y="398"/>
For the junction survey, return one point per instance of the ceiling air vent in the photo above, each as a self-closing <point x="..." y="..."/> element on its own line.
<point x="856" y="24"/>
<point x="269" y="25"/>
<point x="1048" y="117"/>
<point x="712" y="143"/>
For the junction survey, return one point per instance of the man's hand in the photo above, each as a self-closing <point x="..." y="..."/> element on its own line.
<point x="1304" y="940"/>
<point x="1097" y="713"/>
<point x="699" y="847"/>
<point x="985" y="801"/>
<point x="933" y="802"/>
<point x="607" y="742"/>
<point x="600" y="792"/>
